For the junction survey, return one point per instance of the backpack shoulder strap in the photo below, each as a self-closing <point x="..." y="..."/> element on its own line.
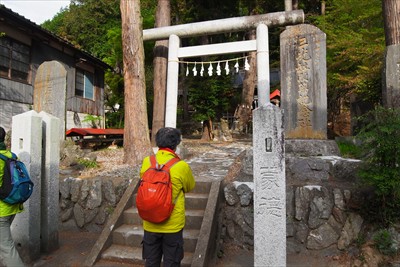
<point x="3" y="157"/>
<point x="170" y="163"/>
<point x="168" y="166"/>
<point x="153" y="161"/>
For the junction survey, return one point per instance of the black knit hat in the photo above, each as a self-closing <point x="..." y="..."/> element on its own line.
<point x="168" y="137"/>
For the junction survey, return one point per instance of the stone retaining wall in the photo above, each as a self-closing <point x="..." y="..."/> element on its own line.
<point x="322" y="195"/>
<point x="87" y="203"/>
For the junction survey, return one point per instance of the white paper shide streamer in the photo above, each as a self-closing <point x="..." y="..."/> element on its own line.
<point x="246" y="65"/>
<point x="227" y="68"/>
<point x="194" y="70"/>
<point x="236" y="66"/>
<point x="210" y="68"/>
<point x="218" y="69"/>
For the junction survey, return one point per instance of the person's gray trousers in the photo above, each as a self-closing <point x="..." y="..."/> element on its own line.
<point x="8" y="253"/>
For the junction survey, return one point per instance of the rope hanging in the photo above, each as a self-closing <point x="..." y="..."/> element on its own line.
<point x="210" y="68"/>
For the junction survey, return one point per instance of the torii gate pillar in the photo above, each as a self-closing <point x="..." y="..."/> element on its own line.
<point x="172" y="82"/>
<point x="263" y="87"/>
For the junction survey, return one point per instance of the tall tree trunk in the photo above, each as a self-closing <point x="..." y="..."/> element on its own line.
<point x="183" y="99"/>
<point x="185" y="103"/>
<point x="244" y="109"/>
<point x="163" y="18"/>
<point x="136" y="131"/>
<point x="208" y="134"/>
<point x="391" y="17"/>
<point x="207" y="130"/>
<point x="323" y="7"/>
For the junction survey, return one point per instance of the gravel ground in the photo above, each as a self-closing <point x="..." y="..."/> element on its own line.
<point x="110" y="165"/>
<point x="111" y="160"/>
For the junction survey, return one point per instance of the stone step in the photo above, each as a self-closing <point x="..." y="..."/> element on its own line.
<point x="128" y="235"/>
<point x="196" y="201"/>
<point x="194" y="218"/>
<point x="202" y="187"/>
<point x="133" y="255"/>
<point x="123" y="253"/>
<point x="132" y="235"/>
<point x="131" y="216"/>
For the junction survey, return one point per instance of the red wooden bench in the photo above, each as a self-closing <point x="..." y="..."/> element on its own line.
<point x="89" y="137"/>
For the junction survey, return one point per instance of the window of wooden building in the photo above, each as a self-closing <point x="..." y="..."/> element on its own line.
<point x="84" y="84"/>
<point x="14" y="60"/>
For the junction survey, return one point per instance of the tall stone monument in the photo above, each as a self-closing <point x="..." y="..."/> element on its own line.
<point x="269" y="187"/>
<point x="50" y="91"/>
<point x="303" y="82"/>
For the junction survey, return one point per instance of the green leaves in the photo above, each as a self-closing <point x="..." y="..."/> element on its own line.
<point x="385" y="242"/>
<point x="380" y="137"/>
<point x="355" y="47"/>
<point x="209" y="96"/>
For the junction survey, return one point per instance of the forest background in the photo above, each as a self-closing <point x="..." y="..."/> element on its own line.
<point x="355" y="55"/>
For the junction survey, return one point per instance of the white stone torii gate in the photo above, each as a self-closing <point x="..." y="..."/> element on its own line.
<point x="175" y="53"/>
<point x="260" y="22"/>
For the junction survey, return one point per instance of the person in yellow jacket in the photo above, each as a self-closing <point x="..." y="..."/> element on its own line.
<point x="166" y="238"/>
<point x="8" y="253"/>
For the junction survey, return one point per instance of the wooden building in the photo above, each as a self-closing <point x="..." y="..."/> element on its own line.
<point x="43" y="72"/>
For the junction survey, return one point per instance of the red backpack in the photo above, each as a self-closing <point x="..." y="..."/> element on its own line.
<point x="154" y="195"/>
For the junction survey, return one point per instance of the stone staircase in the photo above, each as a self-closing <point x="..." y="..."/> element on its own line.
<point x="119" y="243"/>
<point x="125" y="244"/>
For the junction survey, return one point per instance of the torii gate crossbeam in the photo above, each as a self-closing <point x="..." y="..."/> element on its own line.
<point x="236" y="24"/>
<point x="217" y="49"/>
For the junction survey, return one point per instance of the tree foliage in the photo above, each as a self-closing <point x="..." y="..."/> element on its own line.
<point x="210" y="96"/>
<point x="85" y="24"/>
<point x="380" y="137"/>
<point x="355" y="47"/>
<point x="95" y="26"/>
